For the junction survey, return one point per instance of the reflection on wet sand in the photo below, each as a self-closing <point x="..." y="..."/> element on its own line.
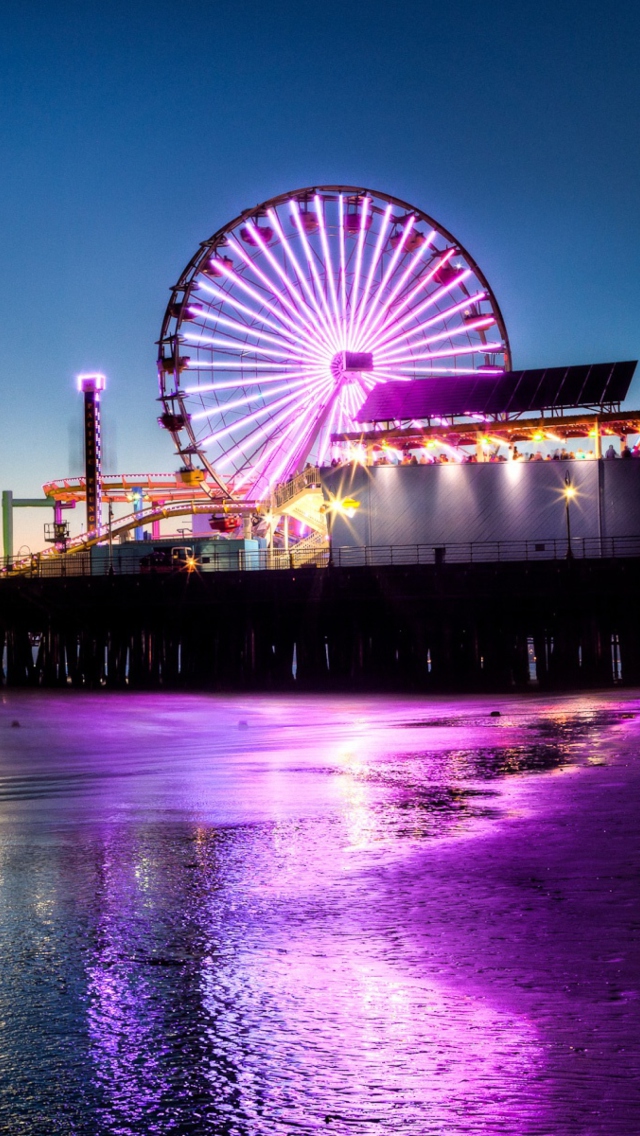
<point x="272" y="930"/>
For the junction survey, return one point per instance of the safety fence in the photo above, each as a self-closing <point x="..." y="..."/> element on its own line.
<point x="99" y="562"/>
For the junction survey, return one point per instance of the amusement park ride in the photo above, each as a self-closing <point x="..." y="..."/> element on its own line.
<point x="281" y="327"/>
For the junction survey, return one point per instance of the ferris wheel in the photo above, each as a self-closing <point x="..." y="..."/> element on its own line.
<point x="287" y="317"/>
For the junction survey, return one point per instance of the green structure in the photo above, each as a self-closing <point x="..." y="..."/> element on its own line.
<point x="9" y="503"/>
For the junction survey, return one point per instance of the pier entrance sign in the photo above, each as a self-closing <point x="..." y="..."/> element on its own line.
<point x="288" y="317"/>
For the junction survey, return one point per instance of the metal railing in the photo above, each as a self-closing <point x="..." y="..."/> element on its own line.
<point x="305" y="555"/>
<point x="308" y="479"/>
<point x="490" y="551"/>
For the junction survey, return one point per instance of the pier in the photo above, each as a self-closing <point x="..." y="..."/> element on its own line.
<point x="546" y="624"/>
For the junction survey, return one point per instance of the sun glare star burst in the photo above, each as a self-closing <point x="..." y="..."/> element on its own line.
<point x="287" y="317"/>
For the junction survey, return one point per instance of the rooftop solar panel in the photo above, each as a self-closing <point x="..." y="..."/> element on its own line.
<point x="571" y="386"/>
<point x="596" y="383"/>
<point x="524" y="392"/>
<point x="515" y="392"/>
<point x="619" y="381"/>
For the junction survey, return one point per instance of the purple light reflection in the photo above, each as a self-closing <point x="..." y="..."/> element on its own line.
<point x="346" y="910"/>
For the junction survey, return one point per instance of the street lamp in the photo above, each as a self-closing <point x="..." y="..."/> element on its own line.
<point x="569" y="494"/>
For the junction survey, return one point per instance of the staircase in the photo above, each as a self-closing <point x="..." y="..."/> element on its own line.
<point x="313" y="549"/>
<point x="302" y="499"/>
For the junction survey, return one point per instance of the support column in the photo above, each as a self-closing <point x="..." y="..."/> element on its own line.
<point x="155" y="525"/>
<point x="137" y="495"/>
<point x="7" y="524"/>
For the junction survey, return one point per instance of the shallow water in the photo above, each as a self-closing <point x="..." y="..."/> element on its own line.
<point x="277" y="916"/>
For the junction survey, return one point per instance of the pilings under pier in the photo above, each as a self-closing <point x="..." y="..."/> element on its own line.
<point x="549" y="625"/>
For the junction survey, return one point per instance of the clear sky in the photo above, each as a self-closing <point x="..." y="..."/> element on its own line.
<point x="129" y="132"/>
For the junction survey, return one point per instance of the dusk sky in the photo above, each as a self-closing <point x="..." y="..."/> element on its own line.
<point x="131" y="132"/>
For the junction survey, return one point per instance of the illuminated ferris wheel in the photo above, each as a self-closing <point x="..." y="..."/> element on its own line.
<point x="287" y="317"/>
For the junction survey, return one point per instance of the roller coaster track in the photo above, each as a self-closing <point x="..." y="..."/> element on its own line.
<point x="132" y="521"/>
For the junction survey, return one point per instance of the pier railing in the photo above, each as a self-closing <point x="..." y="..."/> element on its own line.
<point x="280" y="559"/>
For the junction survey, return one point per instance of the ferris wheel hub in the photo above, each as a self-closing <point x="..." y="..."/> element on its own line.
<point x="347" y="363"/>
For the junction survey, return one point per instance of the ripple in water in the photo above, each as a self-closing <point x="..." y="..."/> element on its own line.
<point x="200" y="930"/>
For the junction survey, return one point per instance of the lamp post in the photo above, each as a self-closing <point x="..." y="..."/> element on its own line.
<point x="569" y="493"/>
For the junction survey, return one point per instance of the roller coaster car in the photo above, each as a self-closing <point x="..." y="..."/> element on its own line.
<point x="176" y="559"/>
<point x="224" y="524"/>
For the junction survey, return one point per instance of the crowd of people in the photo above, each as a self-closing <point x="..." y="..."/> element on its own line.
<point x="422" y="456"/>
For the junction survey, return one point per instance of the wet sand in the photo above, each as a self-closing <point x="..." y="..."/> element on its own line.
<point x="259" y="916"/>
<point x="540" y="916"/>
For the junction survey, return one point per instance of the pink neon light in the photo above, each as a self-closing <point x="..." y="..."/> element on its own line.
<point x="279" y="328"/>
<point x="356" y="279"/>
<point x="282" y="318"/>
<point x="438" y="318"/>
<point x="421" y="284"/>
<point x="432" y="299"/>
<point x="216" y="318"/>
<point x="267" y="453"/>
<point x="453" y="352"/>
<point x="448" y="333"/>
<point x="372" y="267"/>
<point x="294" y="260"/>
<point x="224" y="407"/>
<point x="296" y="295"/>
<point x="335" y="338"/>
<point x="343" y="270"/>
<point x="327" y="259"/>
<point x="261" y="431"/>
<point x="91" y="382"/>
<point x="283" y="276"/>
<point x="374" y="314"/>
<point x="303" y="313"/>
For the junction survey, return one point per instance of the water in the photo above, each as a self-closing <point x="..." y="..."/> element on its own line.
<point x="284" y="916"/>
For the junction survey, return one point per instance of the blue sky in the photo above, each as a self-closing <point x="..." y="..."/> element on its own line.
<point x="131" y="132"/>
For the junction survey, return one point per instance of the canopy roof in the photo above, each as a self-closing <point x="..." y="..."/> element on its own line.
<point x="513" y="392"/>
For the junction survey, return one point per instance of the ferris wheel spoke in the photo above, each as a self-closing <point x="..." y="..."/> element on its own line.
<point x="440" y="317"/>
<point x="452" y="352"/>
<point x="251" y="352"/>
<point x="248" y="418"/>
<point x="285" y="333"/>
<point x="259" y="431"/>
<point x="297" y="303"/>
<point x="390" y="269"/>
<point x="243" y="382"/>
<point x="333" y="330"/>
<point x="246" y="400"/>
<point x="329" y="428"/>
<point x="301" y="278"/>
<point x="300" y="312"/>
<point x="326" y="252"/>
<point x="431" y="299"/>
<point x="273" y="475"/>
<point x="261" y="297"/>
<point x="244" y="329"/>
<point x="299" y="327"/>
<point x="375" y="260"/>
<point x="389" y="350"/>
<point x="235" y="347"/>
<point x="343" y="266"/>
<point x="364" y="211"/>
<point x="388" y="313"/>
<point x="252" y="465"/>
<point x="322" y="310"/>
